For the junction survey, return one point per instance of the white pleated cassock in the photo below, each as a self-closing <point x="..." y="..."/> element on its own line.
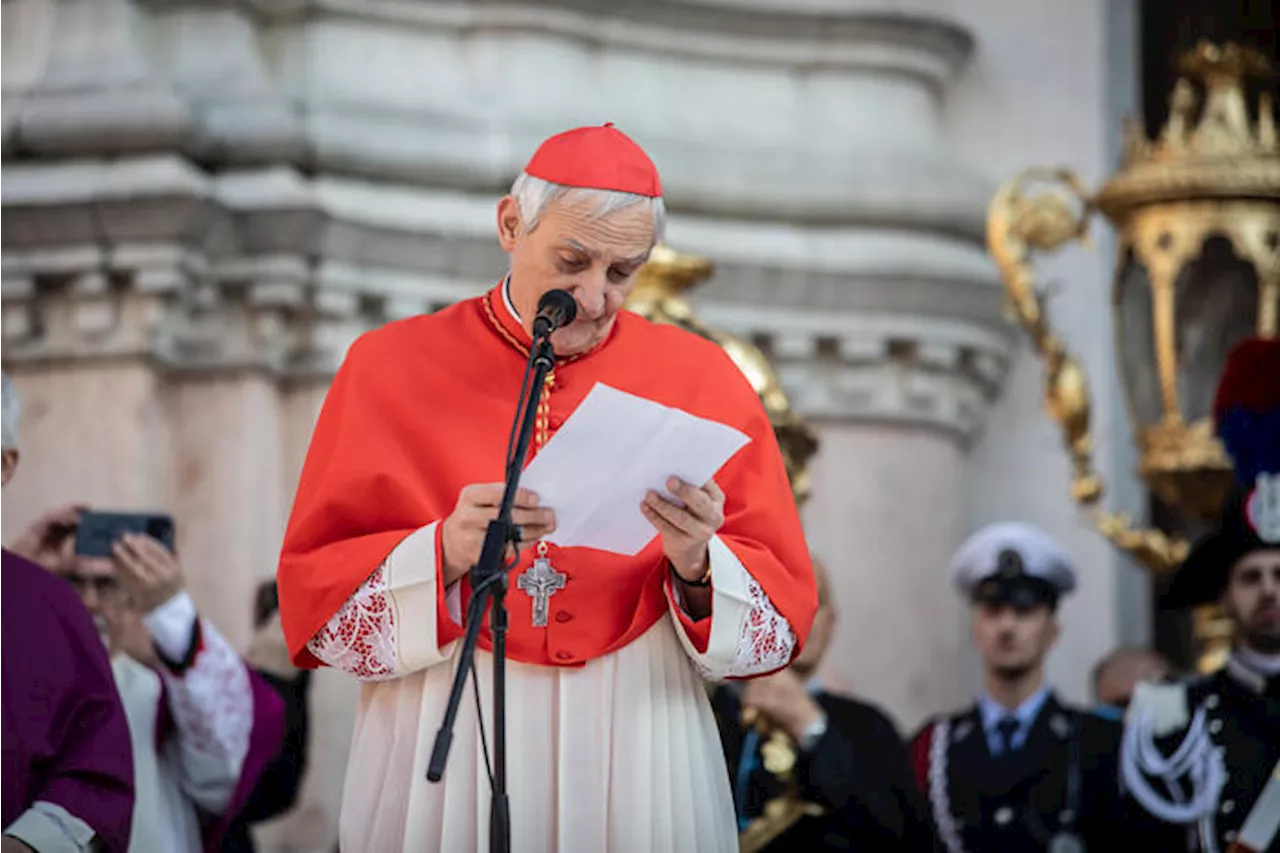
<point x="619" y="755"/>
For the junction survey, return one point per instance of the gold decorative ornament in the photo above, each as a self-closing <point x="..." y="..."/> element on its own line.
<point x="1197" y="214"/>
<point x="658" y="295"/>
<point x="778" y="754"/>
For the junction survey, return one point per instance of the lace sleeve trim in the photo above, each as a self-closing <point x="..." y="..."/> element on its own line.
<point x="765" y="641"/>
<point x="360" y="639"/>
<point x="212" y="702"/>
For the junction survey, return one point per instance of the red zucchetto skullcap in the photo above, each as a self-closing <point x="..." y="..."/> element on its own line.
<point x="598" y="158"/>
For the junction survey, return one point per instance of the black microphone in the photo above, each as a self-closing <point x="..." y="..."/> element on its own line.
<point x="556" y="309"/>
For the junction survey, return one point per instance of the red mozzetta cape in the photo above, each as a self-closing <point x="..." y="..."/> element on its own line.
<point x="423" y="407"/>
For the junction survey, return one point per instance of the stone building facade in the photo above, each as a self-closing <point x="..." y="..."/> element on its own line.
<point x="205" y="202"/>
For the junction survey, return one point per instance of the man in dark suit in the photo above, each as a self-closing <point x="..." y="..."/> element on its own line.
<point x="842" y="757"/>
<point x="1019" y="770"/>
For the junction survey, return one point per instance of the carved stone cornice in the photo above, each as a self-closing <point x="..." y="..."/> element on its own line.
<point x="253" y="183"/>
<point x="108" y="77"/>
<point x="896" y="37"/>
<point x="270" y="269"/>
<point x="289" y="82"/>
<point x="937" y="372"/>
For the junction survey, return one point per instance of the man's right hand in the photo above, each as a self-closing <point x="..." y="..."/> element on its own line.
<point x="45" y="541"/>
<point x="462" y="533"/>
<point x="13" y="845"/>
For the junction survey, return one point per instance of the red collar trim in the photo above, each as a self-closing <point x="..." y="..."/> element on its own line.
<point x="503" y="322"/>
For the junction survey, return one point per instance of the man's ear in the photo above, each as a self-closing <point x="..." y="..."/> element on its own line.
<point x="510" y="223"/>
<point x="1055" y="630"/>
<point x="10" y="464"/>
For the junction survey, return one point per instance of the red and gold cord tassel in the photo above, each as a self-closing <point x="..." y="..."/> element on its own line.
<point x="542" y="420"/>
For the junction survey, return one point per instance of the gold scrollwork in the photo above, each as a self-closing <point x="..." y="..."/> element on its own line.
<point x="1040" y="210"/>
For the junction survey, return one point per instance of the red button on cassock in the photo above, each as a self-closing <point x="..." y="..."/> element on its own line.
<point x="563" y="616"/>
<point x="562" y="655"/>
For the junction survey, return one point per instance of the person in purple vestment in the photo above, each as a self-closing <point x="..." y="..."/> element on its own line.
<point x="202" y="726"/>
<point x="68" y="773"/>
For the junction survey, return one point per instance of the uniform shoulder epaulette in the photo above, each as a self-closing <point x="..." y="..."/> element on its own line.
<point x="1159" y="709"/>
<point x="1191" y="772"/>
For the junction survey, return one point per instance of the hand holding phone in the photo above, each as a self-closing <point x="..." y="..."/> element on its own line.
<point x="148" y="570"/>
<point x="46" y="541"/>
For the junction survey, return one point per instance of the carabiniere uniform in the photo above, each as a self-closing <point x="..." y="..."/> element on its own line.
<point x="1204" y="756"/>
<point x="1228" y="738"/>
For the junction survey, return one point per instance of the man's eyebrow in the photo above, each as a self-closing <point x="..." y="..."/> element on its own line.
<point x="637" y="260"/>
<point x="578" y="247"/>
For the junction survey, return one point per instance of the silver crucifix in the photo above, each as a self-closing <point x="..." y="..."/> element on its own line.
<point x="541" y="581"/>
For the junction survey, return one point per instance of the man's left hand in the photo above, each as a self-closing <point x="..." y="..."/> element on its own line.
<point x="686" y="531"/>
<point x="149" y="571"/>
<point x="782" y="698"/>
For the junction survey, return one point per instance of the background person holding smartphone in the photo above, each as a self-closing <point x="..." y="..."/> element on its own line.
<point x="203" y="725"/>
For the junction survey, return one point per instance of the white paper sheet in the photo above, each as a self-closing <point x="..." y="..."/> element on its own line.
<point x="615" y="447"/>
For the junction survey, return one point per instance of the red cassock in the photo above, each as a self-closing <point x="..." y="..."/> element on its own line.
<point x="423" y="407"/>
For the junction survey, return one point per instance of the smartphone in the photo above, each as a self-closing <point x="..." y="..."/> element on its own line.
<point x="99" y="531"/>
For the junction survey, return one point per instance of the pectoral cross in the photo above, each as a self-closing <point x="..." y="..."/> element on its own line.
<point x="541" y="581"/>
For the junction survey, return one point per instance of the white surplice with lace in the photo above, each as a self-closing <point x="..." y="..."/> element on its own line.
<point x="620" y="755"/>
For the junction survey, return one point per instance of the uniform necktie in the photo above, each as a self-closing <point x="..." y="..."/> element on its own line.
<point x="1007" y="727"/>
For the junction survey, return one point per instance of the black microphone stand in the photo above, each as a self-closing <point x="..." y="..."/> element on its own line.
<point x="489" y="581"/>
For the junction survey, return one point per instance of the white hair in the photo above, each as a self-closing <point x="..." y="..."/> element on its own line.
<point x="12" y="410"/>
<point x="534" y="196"/>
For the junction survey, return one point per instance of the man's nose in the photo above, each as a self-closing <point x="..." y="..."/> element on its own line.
<point x="91" y="597"/>
<point x="591" y="295"/>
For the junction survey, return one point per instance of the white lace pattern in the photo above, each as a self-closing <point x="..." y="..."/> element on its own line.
<point x="764" y="644"/>
<point x="360" y="639"/>
<point x="212" y="701"/>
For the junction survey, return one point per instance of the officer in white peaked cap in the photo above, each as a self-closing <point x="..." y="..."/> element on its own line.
<point x="1013" y="563"/>
<point x="1019" y="769"/>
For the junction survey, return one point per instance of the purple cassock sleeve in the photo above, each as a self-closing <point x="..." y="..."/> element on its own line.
<point x="265" y="739"/>
<point x="65" y="736"/>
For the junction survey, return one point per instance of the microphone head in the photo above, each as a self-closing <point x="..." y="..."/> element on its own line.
<point x="559" y="306"/>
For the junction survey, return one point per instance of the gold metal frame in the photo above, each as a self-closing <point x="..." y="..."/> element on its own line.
<point x="1213" y="172"/>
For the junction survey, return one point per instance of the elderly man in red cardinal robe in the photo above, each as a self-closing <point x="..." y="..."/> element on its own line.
<point x="612" y="743"/>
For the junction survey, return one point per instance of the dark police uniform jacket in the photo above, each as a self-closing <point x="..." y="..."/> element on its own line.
<point x="1241" y="719"/>
<point x="1062" y="781"/>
